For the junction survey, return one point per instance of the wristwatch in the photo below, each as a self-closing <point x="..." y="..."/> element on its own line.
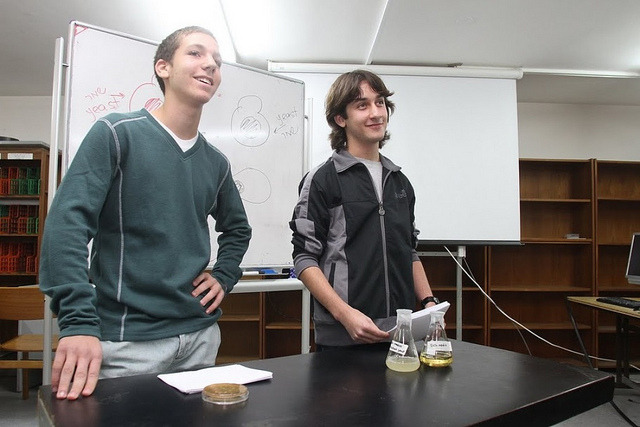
<point x="427" y="300"/>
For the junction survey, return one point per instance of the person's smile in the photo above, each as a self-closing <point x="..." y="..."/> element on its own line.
<point x="205" y="80"/>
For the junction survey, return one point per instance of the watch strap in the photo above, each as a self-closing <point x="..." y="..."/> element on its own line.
<point x="429" y="299"/>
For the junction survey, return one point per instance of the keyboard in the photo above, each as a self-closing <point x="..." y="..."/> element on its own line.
<point x="622" y="302"/>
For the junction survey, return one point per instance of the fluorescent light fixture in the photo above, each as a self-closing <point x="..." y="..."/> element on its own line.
<point x="582" y="73"/>
<point x="252" y="23"/>
<point x="221" y="31"/>
<point x="399" y="70"/>
<point x="167" y="16"/>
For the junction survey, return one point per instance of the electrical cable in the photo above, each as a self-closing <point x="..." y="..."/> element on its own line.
<point x="520" y="324"/>
<point x="470" y="274"/>
<point x="623" y="415"/>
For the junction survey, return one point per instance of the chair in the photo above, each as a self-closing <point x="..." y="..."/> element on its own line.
<point x="23" y="303"/>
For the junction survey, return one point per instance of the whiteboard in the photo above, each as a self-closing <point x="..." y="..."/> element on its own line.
<point x="255" y="118"/>
<point x="456" y="138"/>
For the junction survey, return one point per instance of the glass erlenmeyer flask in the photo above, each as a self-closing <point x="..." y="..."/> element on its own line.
<point x="403" y="355"/>
<point x="436" y="351"/>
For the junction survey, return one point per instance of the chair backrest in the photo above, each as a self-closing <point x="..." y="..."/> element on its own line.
<point x="21" y="303"/>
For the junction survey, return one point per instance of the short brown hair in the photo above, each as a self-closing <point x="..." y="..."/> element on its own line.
<point x="345" y="90"/>
<point x="170" y="44"/>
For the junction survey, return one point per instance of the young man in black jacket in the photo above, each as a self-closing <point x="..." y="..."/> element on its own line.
<point x="353" y="226"/>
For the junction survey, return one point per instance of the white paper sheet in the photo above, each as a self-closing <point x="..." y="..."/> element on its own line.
<point x="190" y="382"/>
<point x="420" y="320"/>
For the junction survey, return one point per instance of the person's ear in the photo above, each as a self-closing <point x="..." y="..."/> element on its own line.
<point x="162" y="68"/>
<point x="340" y="121"/>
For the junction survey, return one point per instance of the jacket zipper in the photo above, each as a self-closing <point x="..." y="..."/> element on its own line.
<point x="384" y="245"/>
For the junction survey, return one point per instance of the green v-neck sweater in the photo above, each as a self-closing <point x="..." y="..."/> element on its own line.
<point x="145" y="204"/>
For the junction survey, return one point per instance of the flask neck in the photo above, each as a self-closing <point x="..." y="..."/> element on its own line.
<point x="403" y="317"/>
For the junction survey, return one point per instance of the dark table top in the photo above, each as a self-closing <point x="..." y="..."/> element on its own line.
<point x="484" y="386"/>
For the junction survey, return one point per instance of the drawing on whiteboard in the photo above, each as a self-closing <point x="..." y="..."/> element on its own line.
<point x="102" y="101"/>
<point x="253" y="185"/>
<point x="146" y="95"/>
<point x="284" y="127"/>
<point x="78" y="29"/>
<point x="249" y="127"/>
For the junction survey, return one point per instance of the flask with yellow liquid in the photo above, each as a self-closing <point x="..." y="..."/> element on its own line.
<point x="436" y="352"/>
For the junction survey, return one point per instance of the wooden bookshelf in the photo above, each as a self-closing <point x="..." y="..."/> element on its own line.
<point x="261" y="324"/>
<point x="241" y="328"/>
<point x="283" y="324"/>
<point x="530" y="282"/>
<point x="442" y="273"/>
<point x="24" y="178"/>
<point x="617" y="217"/>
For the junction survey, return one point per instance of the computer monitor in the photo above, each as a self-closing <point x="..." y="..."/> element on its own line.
<point x="633" y="265"/>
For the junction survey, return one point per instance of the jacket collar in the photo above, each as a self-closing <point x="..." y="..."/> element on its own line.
<point x="343" y="160"/>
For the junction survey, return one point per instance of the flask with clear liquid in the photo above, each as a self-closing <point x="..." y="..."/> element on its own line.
<point x="403" y="355"/>
<point x="436" y="352"/>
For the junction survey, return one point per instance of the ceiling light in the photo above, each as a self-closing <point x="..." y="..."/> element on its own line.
<point x="582" y="73"/>
<point x="400" y="70"/>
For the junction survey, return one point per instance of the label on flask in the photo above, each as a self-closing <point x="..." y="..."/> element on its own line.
<point x="435" y="346"/>
<point x="398" y="348"/>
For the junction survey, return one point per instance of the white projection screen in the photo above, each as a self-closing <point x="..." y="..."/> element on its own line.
<point x="456" y="138"/>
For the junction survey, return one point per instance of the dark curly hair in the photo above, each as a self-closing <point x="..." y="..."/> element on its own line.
<point x="345" y="90"/>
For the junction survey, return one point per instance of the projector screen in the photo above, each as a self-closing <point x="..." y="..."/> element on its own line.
<point x="456" y="138"/>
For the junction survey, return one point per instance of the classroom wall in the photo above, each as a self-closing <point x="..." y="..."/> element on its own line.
<point x="553" y="131"/>
<point x="27" y="118"/>
<point x="575" y="131"/>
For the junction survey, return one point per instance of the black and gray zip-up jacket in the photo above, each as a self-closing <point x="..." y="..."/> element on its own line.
<point x="364" y="247"/>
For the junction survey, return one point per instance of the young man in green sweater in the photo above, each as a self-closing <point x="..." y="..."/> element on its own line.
<point x="142" y="186"/>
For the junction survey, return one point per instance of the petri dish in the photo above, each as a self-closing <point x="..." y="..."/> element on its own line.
<point x="225" y="393"/>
